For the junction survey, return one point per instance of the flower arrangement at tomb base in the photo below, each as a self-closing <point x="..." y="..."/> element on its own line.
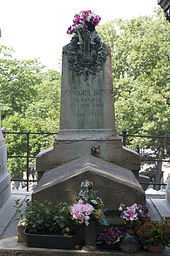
<point x="86" y="225"/>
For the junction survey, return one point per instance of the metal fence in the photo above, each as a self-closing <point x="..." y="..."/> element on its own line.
<point x="24" y="146"/>
<point x="26" y="152"/>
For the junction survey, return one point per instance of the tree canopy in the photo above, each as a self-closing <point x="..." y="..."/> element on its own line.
<point x="141" y="73"/>
<point x="31" y="96"/>
<point x="141" y="79"/>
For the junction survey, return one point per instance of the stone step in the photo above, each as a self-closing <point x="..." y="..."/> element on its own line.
<point x="8" y="212"/>
<point x="10" y="247"/>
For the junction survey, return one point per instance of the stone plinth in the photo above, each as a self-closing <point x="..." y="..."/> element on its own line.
<point x="63" y="183"/>
<point x="110" y="149"/>
<point x="4" y="176"/>
<point x="9" y="247"/>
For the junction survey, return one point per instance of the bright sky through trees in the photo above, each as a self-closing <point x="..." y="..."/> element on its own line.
<point x="37" y="28"/>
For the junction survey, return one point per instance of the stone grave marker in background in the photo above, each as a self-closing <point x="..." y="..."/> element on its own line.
<point x="4" y="176"/>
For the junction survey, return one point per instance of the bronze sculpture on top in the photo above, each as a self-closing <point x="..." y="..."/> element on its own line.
<point x="86" y="53"/>
<point x="87" y="145"/>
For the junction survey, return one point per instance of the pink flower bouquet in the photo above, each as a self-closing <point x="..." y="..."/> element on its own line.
<point x="85" y="20"/>
<point x="81" y="211"/>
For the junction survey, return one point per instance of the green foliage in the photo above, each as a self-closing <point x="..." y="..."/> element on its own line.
<point x="141" y="80"/>
<point x="153" y="233"/>
<point x="44" y="109"/>
<point x="48" y="218"/>
<point x="17" y="81"/>
<point x="141" y="68"/>
<point x="31" y="97"/>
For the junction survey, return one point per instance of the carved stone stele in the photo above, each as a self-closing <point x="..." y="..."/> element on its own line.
<point x="87" y="128"/>
<point x="86" y="88"/>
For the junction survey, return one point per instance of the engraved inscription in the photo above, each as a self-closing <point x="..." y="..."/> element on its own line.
<point x="87" y="106"/>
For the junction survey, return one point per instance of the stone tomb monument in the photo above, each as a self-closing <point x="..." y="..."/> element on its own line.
<point x="4" y="176"/>
<point x="87" y="146"/>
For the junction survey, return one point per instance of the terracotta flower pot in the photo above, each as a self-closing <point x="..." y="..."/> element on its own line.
<point x="155" y="248"/>
<point x="130" y="244"/>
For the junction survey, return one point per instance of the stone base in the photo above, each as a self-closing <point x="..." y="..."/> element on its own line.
<point x="10" y="247"/>
<point x="62" y="184"/>
<point x="68" y="148"/>
<point x="85" y="134"/>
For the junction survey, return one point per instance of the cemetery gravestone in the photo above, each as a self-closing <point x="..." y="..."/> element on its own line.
<point x="87" y="145"/>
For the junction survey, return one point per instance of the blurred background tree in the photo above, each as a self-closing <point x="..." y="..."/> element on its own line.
<point x="31" y="96"/>
<point x="141" y="80"/>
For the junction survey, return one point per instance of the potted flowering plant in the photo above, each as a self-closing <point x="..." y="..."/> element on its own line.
<point x="59" y="226"/>
<point x="49" y="225"/>
<point x="132" y="216"/>
<point x="110" y="238"/>
<point x="89" y="206"/>
<point x="88" y="210"/>
<point x="153" y="235"/>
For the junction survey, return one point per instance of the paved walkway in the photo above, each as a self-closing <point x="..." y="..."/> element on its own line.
<point x="8" y="219"/>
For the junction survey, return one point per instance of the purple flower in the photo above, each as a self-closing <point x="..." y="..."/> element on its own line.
<point x="129" y="214"/>
<point x="133" y="212"/>
<point x="86" y="14"/>
<point x="142" y="211"/>
<point x="110" y="236"/>
<point x="82" y="19"/>
<point x="77" y="19"/>
<point x="96" y="19"/>
<point x="71" y="30"/>
<point x="81" y="211"/>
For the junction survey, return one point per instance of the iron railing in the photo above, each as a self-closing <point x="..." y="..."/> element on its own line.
<point x="28" y="140"/>
<point x="27" y="154"/>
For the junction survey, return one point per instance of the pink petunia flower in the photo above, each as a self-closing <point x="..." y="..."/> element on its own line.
<point x="81" y="211"/>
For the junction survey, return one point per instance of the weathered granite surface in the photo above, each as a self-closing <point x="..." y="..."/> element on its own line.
<point x="86" y="102"/>
<point x="63" y="183"/>
<point x="9" y="247"/>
